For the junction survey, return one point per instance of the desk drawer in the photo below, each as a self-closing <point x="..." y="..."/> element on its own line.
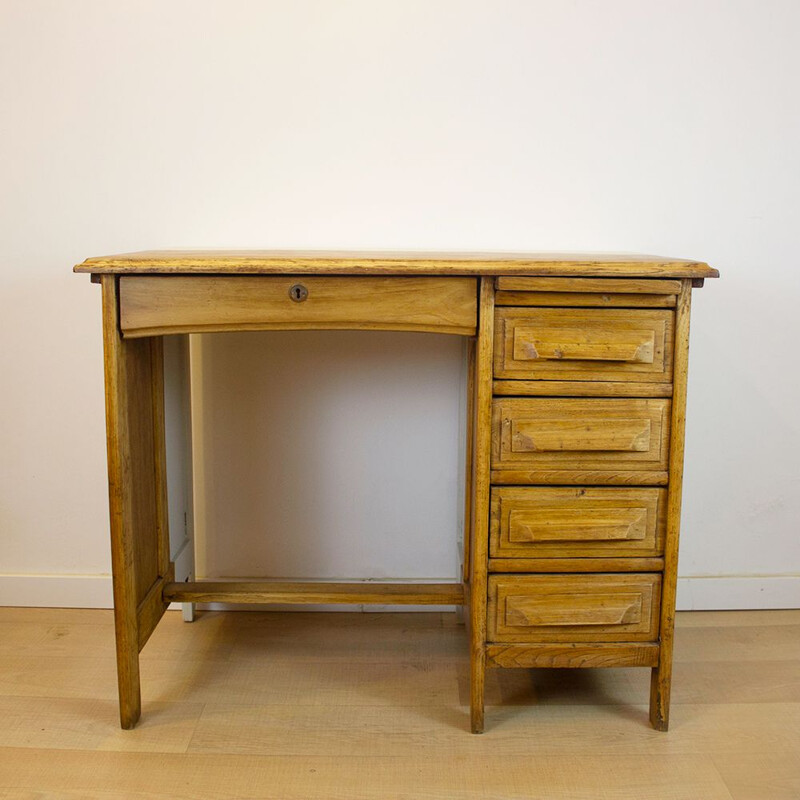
<point x="161" y="304"/>
<point x="583" y="344"/>
<point x="558" y="522"/>
<point x="570" y="440"/>
<point x="574" y="608"/>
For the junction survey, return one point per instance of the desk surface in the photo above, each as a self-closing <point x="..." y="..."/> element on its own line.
<point x="265" y="262"/>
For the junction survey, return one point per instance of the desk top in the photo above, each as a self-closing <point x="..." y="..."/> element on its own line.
<point x="266" y="262"/>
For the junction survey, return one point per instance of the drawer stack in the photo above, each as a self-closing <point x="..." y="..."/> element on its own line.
<point x="581" y="422"/>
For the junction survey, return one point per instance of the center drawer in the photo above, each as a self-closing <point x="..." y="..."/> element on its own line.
<point x="574" y="608"/>
<point x="152" y="305"/>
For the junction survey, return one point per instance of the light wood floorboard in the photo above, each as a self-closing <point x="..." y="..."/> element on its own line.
<point x="414" y="777"/>
<point x="295" y="705"/>
<point x="755" y="776"/>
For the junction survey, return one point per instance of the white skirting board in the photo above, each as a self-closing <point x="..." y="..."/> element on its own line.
<point x="56" y="591"/>
<point x="705" y="593"/>
<point x="75" y="591"/>
<point x="712" y="593"/>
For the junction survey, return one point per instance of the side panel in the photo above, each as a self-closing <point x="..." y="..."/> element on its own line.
<point x="137" y="493"/>
<point x="178" y="435"/>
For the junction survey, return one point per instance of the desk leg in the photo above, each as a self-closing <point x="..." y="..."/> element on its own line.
<point x="137" y="493"/>
<point x="661" y="676"/>
<point x="481" y="456"/>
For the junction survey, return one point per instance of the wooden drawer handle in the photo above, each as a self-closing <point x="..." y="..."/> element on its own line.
<point x="573" y="344"/>
<point x="558" y="610"/>
<point x="555" y="524"/>
<point x="575" y="435"/>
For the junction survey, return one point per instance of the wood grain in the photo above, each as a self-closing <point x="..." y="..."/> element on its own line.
<point x="581" y="522"/>
<point x="661" y="679"/>
<point x="589" y="285"/>
<point x="482" y="428"/>
<point x="140" y="450"/>
<point x="152" y="305"/>
<point x="277" y="727"/>
<point x="459" y="775"/>
<point x="585" y="300"/>
<point x="539" y="388"/>
<point x="166" y="570"/>
<point x="623" y="477"/>
<point x="396" y="263"/>
<point x="572" y="655"/>
<point x="123" y="542"/>
<point x="759" y="776"/>
<point x="610" y="730"/>
<point x="153" y="606"/>
<point x="310" y="592"/>
<point x="583" y="344"/>
<point x="469" y="457"/>
<point x="582" y="564"/>
<point x="568" y="436"/>
<point x="137" y="492"/>
<point x="574" y="608"/>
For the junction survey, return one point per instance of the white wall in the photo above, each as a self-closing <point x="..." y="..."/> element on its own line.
<point x="329" y="454"/>
<point x="623" y="125"/>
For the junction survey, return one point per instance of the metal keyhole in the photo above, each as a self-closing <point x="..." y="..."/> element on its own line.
<point x="298" y="293"/>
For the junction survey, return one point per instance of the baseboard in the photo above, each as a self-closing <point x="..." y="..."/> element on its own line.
<point x="738" y="592"/>
<point x="56" y="591"/>
<point x="705" y="593"/>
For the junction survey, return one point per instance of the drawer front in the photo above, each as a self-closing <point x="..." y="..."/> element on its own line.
<point x="153" y="305"/>
<point x="558" y="522"/>
<point x="577" y="437"/>
<point x="583" y="344"/>
<point x="574" y="608"/>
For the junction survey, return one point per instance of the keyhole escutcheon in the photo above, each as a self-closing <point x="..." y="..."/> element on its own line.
<point x="298" y="293"/>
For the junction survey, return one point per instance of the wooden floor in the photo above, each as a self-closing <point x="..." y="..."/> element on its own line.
<point x="355" y="706"/>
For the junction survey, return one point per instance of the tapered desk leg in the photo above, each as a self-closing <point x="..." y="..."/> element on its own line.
<point x="137" y="493"/>
<point x="479" y="546"/>
<point x="661" y="676"/>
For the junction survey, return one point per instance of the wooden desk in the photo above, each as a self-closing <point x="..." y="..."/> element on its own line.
<point x="577" y="385"/>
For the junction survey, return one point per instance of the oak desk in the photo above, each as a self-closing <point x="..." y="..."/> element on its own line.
<point x="577" y="385"/>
